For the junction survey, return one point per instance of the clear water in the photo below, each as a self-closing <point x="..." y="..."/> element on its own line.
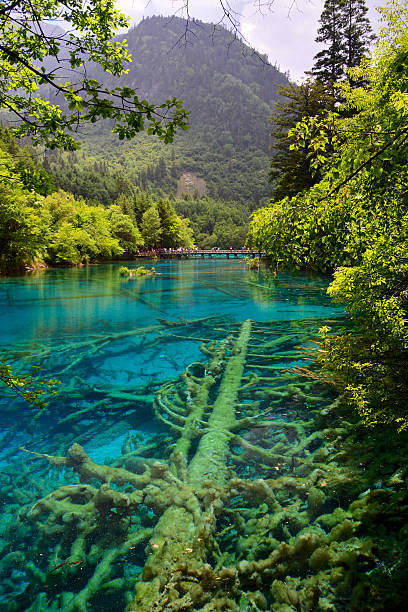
<point x="89" y="326"/>
<point x="115" y="343"/>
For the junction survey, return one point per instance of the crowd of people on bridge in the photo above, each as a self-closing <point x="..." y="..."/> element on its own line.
<point x="181" y="250"/>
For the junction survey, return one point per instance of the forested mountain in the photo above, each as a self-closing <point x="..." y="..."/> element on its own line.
<point x="230" y="91"/>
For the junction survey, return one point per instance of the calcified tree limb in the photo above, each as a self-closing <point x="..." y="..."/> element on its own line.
<point x="96" y="341"/>
<point x="206" y="477"/>
<point x="87" y="469"/>
<point x="197" y="398"/>
<point x="191" y="499"/>
<point x="195" y="521"/>
<point x="213" y="447"/>
<point x="187" y="415"/>
<point x="79" y="514"/>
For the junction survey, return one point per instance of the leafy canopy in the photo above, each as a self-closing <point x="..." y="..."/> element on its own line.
<point x="29" y="387"/>
<point x="355" y="221"/>
<point x="37" y="57"/>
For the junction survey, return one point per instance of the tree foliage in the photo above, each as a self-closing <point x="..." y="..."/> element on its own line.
<point x="34" y="54"/>
<point x="33" y="390"/>
<point x="357" y="33"/>
<point x="291" y="166"/>
<point x="79" y="232"/>
<point x="355" y="221"/>
<point x="151" y="226"/>
<point x="22" y="227"/>
<point x="346" y="33"/>
<point x="124" y="229"/>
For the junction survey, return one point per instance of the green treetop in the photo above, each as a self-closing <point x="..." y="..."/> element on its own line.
<point x="330" y="61"/>
<point x="151" y="228"/>
<point x="124" y="229"/>
<point x="357" y="32"/>
<point x="346" y="33"/>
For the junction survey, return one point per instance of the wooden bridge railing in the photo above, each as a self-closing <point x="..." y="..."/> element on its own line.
<point x="186" y="253"/>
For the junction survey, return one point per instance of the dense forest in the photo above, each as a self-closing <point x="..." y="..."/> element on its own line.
<point x="40" y="225"/>
<point x="43" y="225"/>
<point x="230" y="92"/>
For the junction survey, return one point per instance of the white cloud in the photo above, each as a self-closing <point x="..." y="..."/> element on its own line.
<point x="200" y="9"/>
<point x="286" y="34"/>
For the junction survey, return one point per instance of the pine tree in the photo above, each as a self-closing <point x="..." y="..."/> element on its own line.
<point x="330" y="63"/>
<point x="357" y="31"/>
<point x="141" y="201"/>
<point x="126" y="206"/>
<point x="346" y="32"/>
<point x="291" y="168"/>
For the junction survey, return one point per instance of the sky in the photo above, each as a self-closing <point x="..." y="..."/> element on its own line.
<point x="284" y="30"/>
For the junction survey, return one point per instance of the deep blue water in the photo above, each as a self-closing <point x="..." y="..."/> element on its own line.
<point x="113" y="341"/>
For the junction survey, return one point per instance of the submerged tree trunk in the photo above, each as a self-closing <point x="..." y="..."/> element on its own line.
<point x="183" y="533"/>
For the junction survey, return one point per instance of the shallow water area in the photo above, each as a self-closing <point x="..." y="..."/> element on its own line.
<point x="181" y="466"/>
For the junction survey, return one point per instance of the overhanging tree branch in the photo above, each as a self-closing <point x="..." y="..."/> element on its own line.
<point x="26" y="44"/>
<point x="403" y="132"/>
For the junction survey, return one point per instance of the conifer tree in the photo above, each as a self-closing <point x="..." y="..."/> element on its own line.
<point x="291" y="167"/>
<point x="330" y="62"/>
<point x="346" y="32"/>
<point x="357" y="32"/>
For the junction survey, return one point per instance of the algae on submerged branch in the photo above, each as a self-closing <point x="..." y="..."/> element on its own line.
<point x="195" y="527"/>
<point x="270" y="523"/>
<point x="213" y="448"/>
<point x="273" y="527"/>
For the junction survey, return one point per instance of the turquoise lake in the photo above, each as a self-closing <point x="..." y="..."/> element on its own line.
<point x="78" y="324"/>
<point x="133" y="355"/>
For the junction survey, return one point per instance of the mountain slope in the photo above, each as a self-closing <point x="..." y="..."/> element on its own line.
<point x="230" y="92"/>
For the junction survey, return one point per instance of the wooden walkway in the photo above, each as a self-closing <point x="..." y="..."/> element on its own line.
<point x="186" y="254"/>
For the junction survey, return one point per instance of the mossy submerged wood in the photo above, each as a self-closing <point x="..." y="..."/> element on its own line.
<point x="290" y="521"/>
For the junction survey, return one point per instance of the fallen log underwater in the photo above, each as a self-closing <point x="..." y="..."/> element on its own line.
<point x="249" y="512"/>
